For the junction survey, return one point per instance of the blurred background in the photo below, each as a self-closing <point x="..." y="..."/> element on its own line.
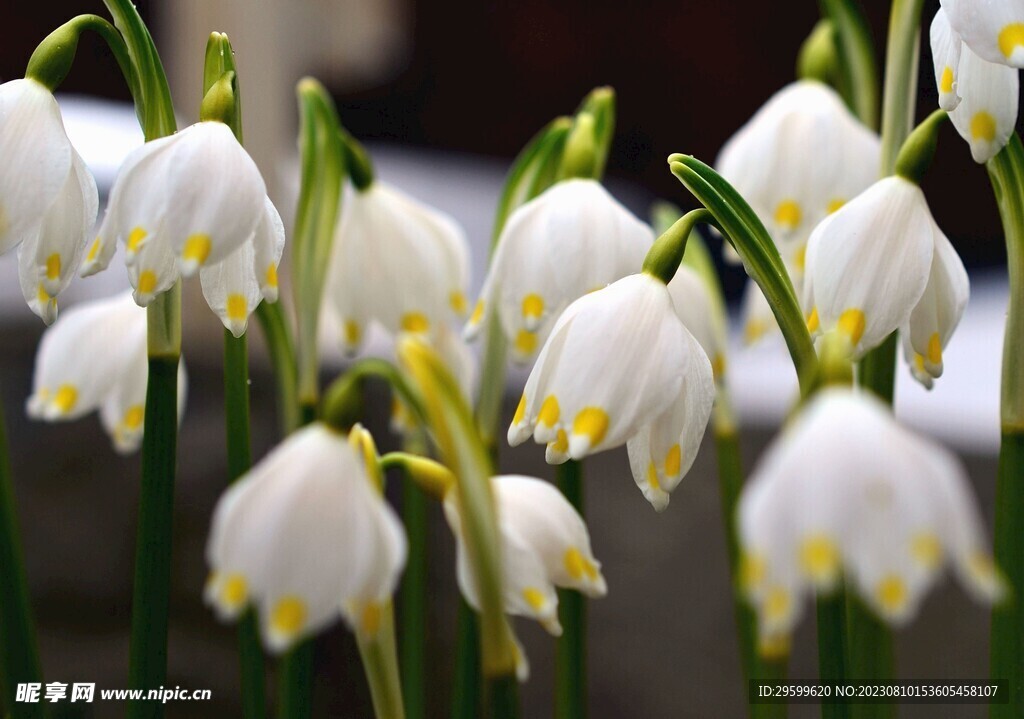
<point x="444" y="95"/>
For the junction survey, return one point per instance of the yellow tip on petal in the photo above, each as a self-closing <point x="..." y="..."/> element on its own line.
<point x="65" y="398"/>
<point x="800" y="258"/>
<point x="813" y="321"/>
<point x="234" y="592"/>
<point x="458" y="302"/>
<point x="776" y="604"/>
<point x="774" y="647"/>
<point x="788" y="214"/>
<point x="534" y="597"/>
<point x="272" y="275"/>
<point x="935" y="349"/>
<point x="819" y="558"/>
<point x="415" y="322"/>
<point x="288" y="617"/>
<point x="673" y="461"/>
<point x="147" y="282"/>
<point x="718" y="366"/>
<point x="53" y="266"/>
<point x="94" y="250"/>
<point x="352" y="332"/>
<point x="41" y="294"/>
<point x="135" y="238"/>
<point x="549" y="411"/>
<point x="592" y="422"/>
<point x="834" y="204"/>
<point x="533" y="306"/>
<point x="652" y="476"/>
<point x="197" y="248"/>
<point x="520" y="411"/>
<point x="926" y="549"/>
<point x="1010" y="38"/>
<point x="852" y="323"/>
<point x="983" y="126"/>
<point x="561" y="443"/>
<point x="579" y="566"/>
<point x="133" y="417"/>
<point x="891" y="593"/>
<point x="237" y="307"/>
<point x="369" y="622"/>
<point x="946" y="82"/>
<point x="526" y="342"/>
<point x="752" y="573"/>
<point x="478" y="313"/>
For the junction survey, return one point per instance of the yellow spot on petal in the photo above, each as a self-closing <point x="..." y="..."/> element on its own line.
<point x="891" y="593"/>
<point x="272" y="275"/>
<point x="561" y="443"/>
<point x="369" y="622"/>
<point x="673" y="461"/>
<point x="238" y="307"/>
<point x="94" y="250"/>
<point x="41" y="294"/>
<point x="983" y="570"/>
<point x="788" y="214"/>
<point x="133" y="417"/>
<point x="652" y="476"/>
<point x="819" y="558"/>
<point x="983" y="126"/>
<point x="946" y="81"/>
<point x="578" y="565"/>
<point x="135" y="238"/>
<point x="147" y="282"/>
<point x="851" y="322"/>
<point x="53" y="266"/>
<point x="197" y="248"/>
<point x="1010" y="38"/>
<point x="834" y="204"/>
<point x="753" y="571"/>
<point x="592" y="422"/>
<point x="234" y="592"/>
<point x="415" y="322"/>
<point x="533" y="306"/>
<point x="754" y="330"/>
<point x="534" y="597"/>
<point x="800" y="258"/>
<point x="813" y="321"/>
<point x="66" y="398"/>
<point x="458" y="302"/>
<point x="935" y="349"/>
<point x="776" y="604"/>
<point x="526" y="342"/>
<point x="774" y="647"/>
<point x="478" y="313"/>
<point x="288" y="616"/>
<point x="926" y="549"/>
<point x="718" y="366"/>
<point x="520" y="411"/>
<point x="352" y="332"/>
<point x="919" y="363"/>
<point x="549" y="411"/>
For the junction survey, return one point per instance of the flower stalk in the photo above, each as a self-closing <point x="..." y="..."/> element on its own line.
<point x="1006" y="171"/>
<point x="571" y="649"/>
<point x="413" y="592"/>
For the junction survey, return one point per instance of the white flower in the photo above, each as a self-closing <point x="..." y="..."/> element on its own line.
<point x="397" y="262"/>
<point x="572" y="239"/>
<point x="179" y="203"/>
<point x="48" y="198"/>
<point x="619" y="366"/>
<point x="994" y="29"/>
<point x="946" y="52"/>
<point x="800" y="157"/>
<point x="235" y="287"/>
<point x="306" y="537"/>
<point x="544" y="545"/>
<point x="692" y="302"/>
<point x="846" y="491"/>
<point x="880" y="264"/>
<point x="94" y="357"/>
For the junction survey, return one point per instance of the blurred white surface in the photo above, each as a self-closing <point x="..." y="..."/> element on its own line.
<point x="962" y="410"/>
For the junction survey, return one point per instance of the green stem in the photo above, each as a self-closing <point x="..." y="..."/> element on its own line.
<point x="295" y="682"/>
<point x="412" y="631"/>
<point x="19" y="656"/>
<point x="1006" y="171"/>
<point x="832" y="651"/>
<point x="858" y="72"/>
<point x="571" y="651"/>
<point x="466" y="684"/>
<point x="277" y="335"/>
<point x="869" y="655"/>
<point x="380" y="662"/>
<point x="504" y="697"/>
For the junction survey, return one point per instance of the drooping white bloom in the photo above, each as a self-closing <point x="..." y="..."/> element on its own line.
<point x="620" y="367"/>
<point x="305" y="537"/>
<point x="800" y="157"/>
<point x="946" y="52"/>
<point x="235" y="287"/>
<point x="544" y="544"/>
<point x="94" y="357"/>
<point x="179" y="203"/>
<point x="572" y="239"/>
<point x="881" y="263"/>
<point x="395" y="261"/>
<point x="846" y="491"/>
<point x="993" y="29"/>
<point x="49" y="197"/>
<point x="691" y="299"/>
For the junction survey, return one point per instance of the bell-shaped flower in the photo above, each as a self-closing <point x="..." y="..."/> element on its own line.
<point x="395" y="261"/>
<point x="94" y="357"/>
<point x="847" y="493"/>
<point x="49" y="198"/>
<point x="235" y="287"/>
<point x="305" y="537"/>
<point x="545" y="544"/>
<point x="572" y="239"/>
<point x="946" y="51"/>
<point x="993" y="29"/>
<point x="800" y="157"/>
<point x="179" y="203"/>
<point x="869" y="266"/>
<point x="692" y="302"/>
<point x="619" y="366"/>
